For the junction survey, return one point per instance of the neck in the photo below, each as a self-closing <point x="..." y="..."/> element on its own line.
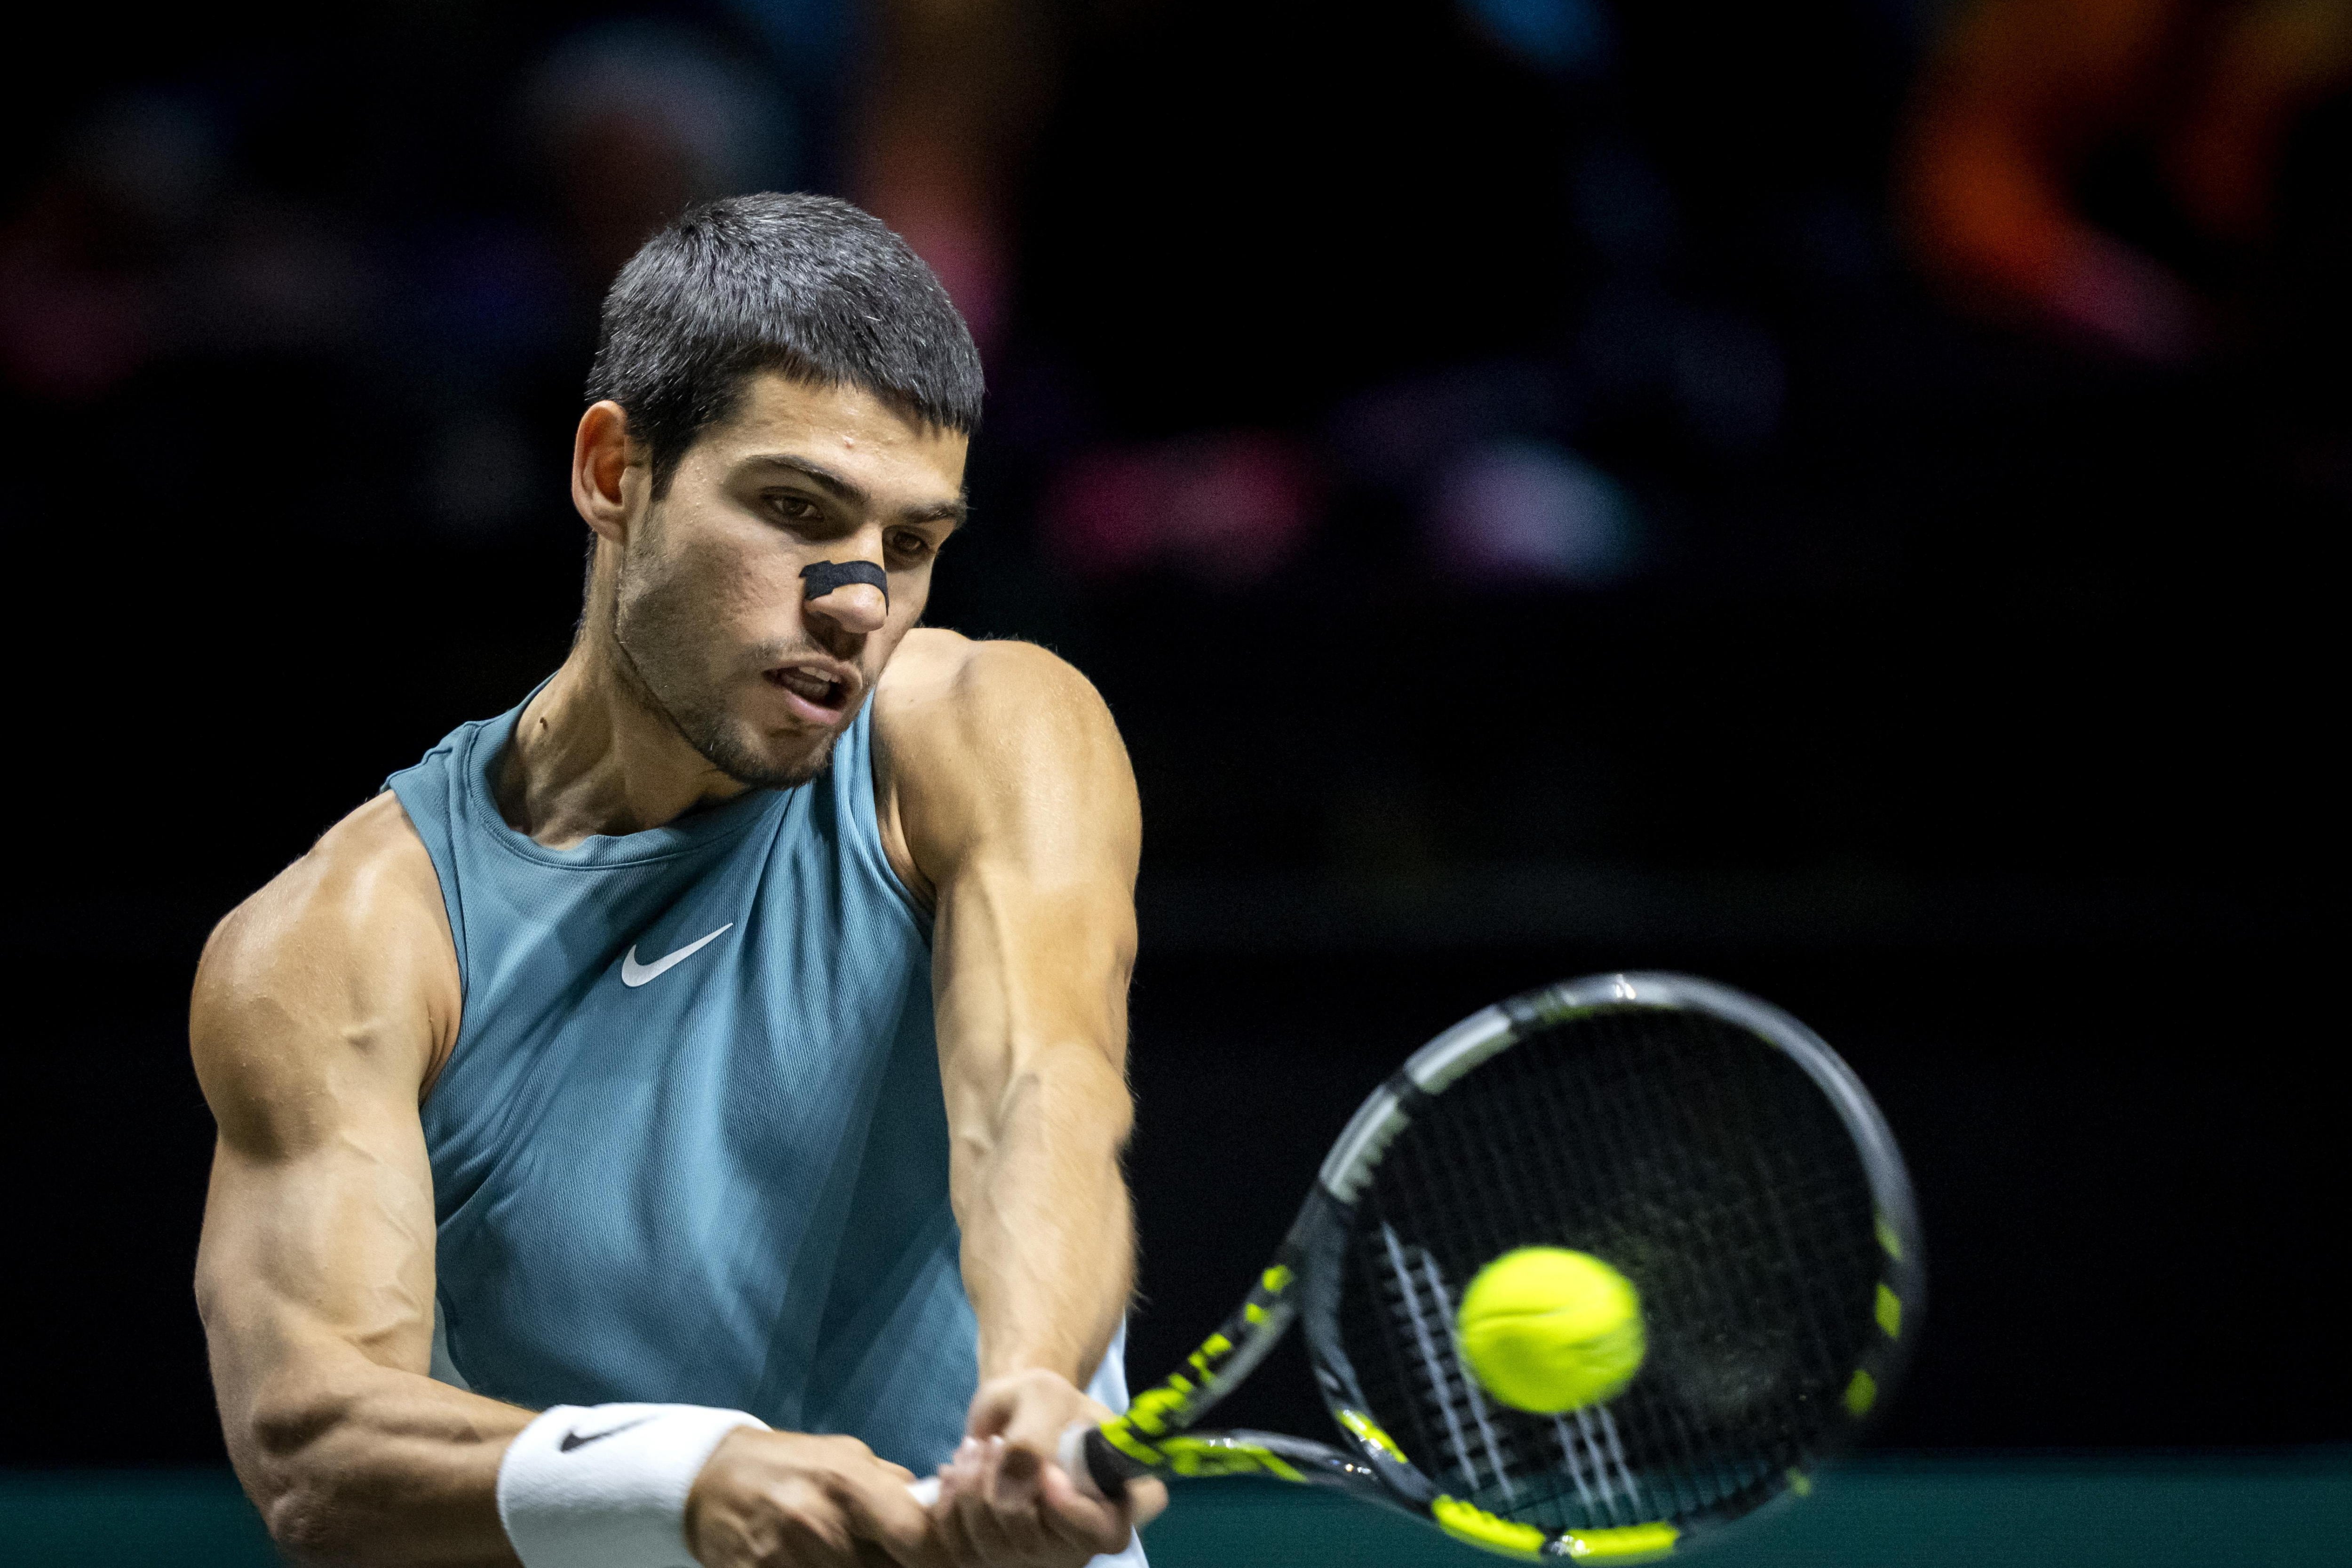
<point x="591" y="754"/>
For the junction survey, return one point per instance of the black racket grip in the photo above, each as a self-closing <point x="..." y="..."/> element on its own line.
<point x="1094" y="1464"/>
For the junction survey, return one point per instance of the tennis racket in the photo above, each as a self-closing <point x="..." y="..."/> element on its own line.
<point x="1708" y="1146"/>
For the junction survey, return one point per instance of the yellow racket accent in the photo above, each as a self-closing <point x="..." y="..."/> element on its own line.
<point x="1365" y="1427"/>
<point x="1627" y="1543"/>
<point x="1193" y="1456"/>
<point x="1470" y="1523"/>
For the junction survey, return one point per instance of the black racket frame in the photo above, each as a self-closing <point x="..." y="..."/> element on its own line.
<point x="1302" y="1282"/>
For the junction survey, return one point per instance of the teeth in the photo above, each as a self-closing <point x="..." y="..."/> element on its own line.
<point x="806" y="683"/>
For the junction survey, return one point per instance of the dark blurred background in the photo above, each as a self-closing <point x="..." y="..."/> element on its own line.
<point x="1828" y="494"/>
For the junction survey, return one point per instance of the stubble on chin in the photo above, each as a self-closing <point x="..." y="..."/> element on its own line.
<point x="728" y="741"/>
<point x="726" y="751"/>
<point x="655" y="637"/>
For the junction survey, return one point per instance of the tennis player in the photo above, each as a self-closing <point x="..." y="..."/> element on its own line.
<point x="677" y="1111"/>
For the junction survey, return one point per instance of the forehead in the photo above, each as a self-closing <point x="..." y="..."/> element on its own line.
<point x="843" y="428"/>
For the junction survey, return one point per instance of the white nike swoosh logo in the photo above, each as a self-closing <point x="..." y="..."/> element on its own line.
<point x="636" y="973"/>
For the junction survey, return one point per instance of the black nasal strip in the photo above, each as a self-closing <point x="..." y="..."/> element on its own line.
<point x="827" y="576"/>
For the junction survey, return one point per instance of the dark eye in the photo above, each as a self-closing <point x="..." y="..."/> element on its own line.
<point x="910" y="544"/>
<point x="799" y="509"/>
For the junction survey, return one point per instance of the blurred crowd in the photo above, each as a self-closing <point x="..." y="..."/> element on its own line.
<point x="2134" y="173"/>
<point x="1514" y="289"/>
<point x="1938" y="399"/>
<point x="374" y="238"/>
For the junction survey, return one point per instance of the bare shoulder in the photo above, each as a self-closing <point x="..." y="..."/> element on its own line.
<point x="343" y="964"/>
<point x="368" y="878"/>
<point x="937" y="673"/>
<point x="996" y="744"/>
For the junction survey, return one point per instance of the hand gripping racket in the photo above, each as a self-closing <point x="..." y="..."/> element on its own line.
<point x="1708" y="1146"/>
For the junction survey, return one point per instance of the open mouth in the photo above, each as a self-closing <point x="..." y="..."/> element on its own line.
<point x="819" y="697"/>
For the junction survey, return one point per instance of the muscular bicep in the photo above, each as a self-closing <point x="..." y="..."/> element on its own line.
<point x="1019" y="807"/>
<point x="317" y="1010"/>
<point x="318" y="1235"/>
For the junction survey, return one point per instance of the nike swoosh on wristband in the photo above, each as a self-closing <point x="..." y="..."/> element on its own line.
<point x="634" y="973"/>
<point x="572" y="1439"/>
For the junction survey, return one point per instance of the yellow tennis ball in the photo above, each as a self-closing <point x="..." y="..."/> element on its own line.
<point x="1549" y="1329"/>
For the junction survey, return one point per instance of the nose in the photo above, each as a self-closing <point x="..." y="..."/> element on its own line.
<point x="856" y="607"/>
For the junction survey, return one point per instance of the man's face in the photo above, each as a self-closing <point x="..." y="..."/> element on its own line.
<point x="711" y="611"/>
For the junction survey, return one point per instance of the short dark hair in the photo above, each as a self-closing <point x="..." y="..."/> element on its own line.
<point x="808" y="285"/>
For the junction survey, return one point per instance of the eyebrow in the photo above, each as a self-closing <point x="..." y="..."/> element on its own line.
<point x="825" y="478"/>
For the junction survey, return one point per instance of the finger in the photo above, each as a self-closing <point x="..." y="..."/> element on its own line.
<point x="984" y="1532"/>
<point x="1018" y="1468"/>
<point x="961" y="1473"/>
<point x="963" y="1506"/>
<point x="1033" y="1439"/>
<point x="822" y="1541"/>
<point x="1019" y="1538"/>
<point x="992" y="1409"/>
<point x="886" y="1515"/>
<point x="1038" y="1422"/>
<point x="1015" y="1506"/>
<point x="983" y="1520"/>
<point x="1075" y="1518"/>
<point x="993" y="1529"/>
<point x="955" y="1540"/>
<point x="1022" y="1537"/>
<point x="1147" y="1500"/>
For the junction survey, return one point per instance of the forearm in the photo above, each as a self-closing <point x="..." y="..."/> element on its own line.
<point x="361" y="1464"/>
<point x="1048" y="1235"/>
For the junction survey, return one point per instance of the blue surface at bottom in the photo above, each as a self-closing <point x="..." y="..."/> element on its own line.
<point x="2281" y="1512"/>
<point x="2291" y="1510"/>
<point x="128" y="1518"/>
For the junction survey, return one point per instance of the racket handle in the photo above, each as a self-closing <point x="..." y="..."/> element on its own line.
<point x="1079" y="1442"/>
<point x="1072" y="1453"/>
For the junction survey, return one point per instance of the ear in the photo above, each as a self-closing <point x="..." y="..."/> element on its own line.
<point x="608" y="470"/>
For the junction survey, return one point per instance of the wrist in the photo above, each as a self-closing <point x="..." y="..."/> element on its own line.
<point x="607" y="1486"/>
<point x="1065" y="1354"/>
<point x="1012" y="1374"/>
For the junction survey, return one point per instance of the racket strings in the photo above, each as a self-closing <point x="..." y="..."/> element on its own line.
<point x="1725" y="1293"/>
<point x="1695" y="1474"/>
<point x="1717" y="1128"/>
<point x="1698" y="1160"/>
<point x="1481" y="1169"/>
<point x="1765" y="1207"/>
<point x="1680" y="1488"/>
<point x="1595" y="1470"/>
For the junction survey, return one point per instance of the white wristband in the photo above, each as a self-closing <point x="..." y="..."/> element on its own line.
<point x="605" y="1486"/>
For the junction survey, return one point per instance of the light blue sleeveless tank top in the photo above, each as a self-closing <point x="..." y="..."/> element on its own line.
<point x="690" y="1144"/>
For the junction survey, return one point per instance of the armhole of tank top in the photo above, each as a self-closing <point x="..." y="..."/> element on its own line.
<point x="444" y="1368"/>
<point x="866" y="814"/>
<point x="454" y="913"/>
<point x="451" y="909"/>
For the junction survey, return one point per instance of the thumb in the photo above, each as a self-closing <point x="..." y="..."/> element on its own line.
<point x="992" y="1409"/>
<point x="1147" y="1499"/>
